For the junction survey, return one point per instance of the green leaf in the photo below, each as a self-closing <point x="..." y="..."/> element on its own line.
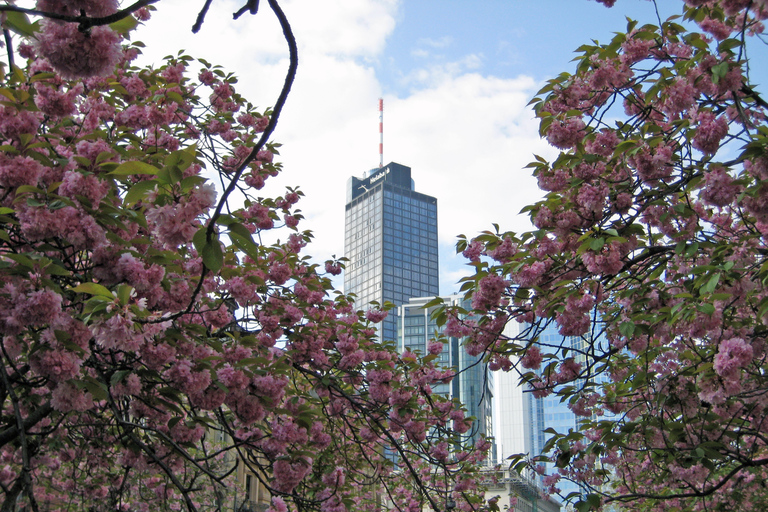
<point x="118" y="376"/>
<point x="134" y="167"/>
<point x="711" y="284"/>
<point x="627" y="329"/>
<point x="94" y="387"/>
<point x="93" y="289"/>
<point x="241" y="230"/>
<point x="124" y="293"/>
<point x="213" y="257"/>
<point x="125" y="25"/>
<point x="19" y="23"/>
<point x="22" y="260"/>
<point x="173" y="95"/>
<point x="247" y="245"/>
<point x="719" y="71"/>
<point x="198" y="240"/>
<point x="139" y="191"/>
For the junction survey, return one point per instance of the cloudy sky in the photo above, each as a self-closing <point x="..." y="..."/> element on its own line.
<point x="456" y="77"/>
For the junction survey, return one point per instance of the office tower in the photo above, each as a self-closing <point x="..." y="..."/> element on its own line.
<point x="550" y="411"/>
<point x="473" y="386"/>
<point x="511" y="410"/>
<point x="390" y="241"/>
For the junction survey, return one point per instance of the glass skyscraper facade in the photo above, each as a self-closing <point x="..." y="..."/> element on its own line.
<point x="473" y="385"/>
<point x="550" y="411"/>
<point x="390" y="241"/>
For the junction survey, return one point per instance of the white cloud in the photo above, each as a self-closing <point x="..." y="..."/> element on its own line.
<point x="442" y="42"/>
<point x="437" y="73"/>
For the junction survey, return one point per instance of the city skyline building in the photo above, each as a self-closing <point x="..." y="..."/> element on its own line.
<point x="512" y="429"/>
<point x="550" y="411"/>
<point x="473" y="384"/>
<point x="390" y="241"/>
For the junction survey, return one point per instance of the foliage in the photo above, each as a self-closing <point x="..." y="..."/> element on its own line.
<point x="649" y="255"/>
<point x="151" y="339"/>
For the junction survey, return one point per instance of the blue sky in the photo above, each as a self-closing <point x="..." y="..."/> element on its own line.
<point x="534" y="38"/>
<point x="456" y="77"/>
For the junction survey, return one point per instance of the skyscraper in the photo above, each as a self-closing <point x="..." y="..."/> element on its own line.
<point x="550" y="411"/>
<point x="390" y="241"/>
<point x="473" y="384"/>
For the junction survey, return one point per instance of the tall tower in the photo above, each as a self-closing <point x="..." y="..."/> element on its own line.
<point x="390" y="241"/>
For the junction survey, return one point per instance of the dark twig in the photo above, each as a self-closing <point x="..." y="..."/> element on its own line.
<point x="201" y="17"/>
<point x="251" y="6"/>
<point x="85" y="22"/>
<point x="9" y="47"/>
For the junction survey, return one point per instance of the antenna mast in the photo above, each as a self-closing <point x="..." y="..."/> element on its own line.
<point x="381" y="133"/>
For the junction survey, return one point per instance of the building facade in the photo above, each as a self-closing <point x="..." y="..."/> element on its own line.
<point x="390" y="241"/>
<point x="473" y="386"/>
<point x="550" y="411"/>
<point x="512" y="427"/>
<point x="517" y="493"/>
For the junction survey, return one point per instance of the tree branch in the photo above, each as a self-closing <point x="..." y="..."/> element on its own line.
<point x="85" y="22"/>
<point x="201" y="17"/>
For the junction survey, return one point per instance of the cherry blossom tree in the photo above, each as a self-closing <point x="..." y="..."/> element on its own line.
<point x="153" y="340"/>
<point x="649" y="257"/>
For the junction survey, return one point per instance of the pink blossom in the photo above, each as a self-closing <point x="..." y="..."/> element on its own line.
<point x="716" y="27"/>
<point x="67" y="397"/>
<point x="566" y="134"/>
<point x="732" y="354"/>
<point x="568" y="370"/>
<point x="56" y="103"/>
<point x="681" y="96"/>
<point x="532" y="358"/>
<point x="19" y="170"/>
<point x="711" y="131"/>
<point x="289" y="473"/>
<point x="435" y="348"/>
<point x="15" y="123"/>
<point x="530" y="275"/>
<point x="375" y="315"/>
<point x="504" y="251"/>
<point x="75" y="54"/>
<point x="603" y="144"/>
<point x="96" y="8"/>
<point x="718" y="187"/>
<point x="488" y="294"/>
<point x="278" y="505"/>
<point x="653" y="163"/>
<point x="456" y="328"/>
<point x="333" y="268"/>
<point x="473" y="250"/>
<point x="279" y="272"/>
<point x="207" y="77"/>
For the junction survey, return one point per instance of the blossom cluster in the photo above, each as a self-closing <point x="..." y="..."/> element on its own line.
<point x="647" y="259"/>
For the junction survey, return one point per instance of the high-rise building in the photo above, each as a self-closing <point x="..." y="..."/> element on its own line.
<point x="512" y="426"/>
<point x="473" y="386"/>
<point x="550" y="411"/>
<point x="390" y="241"/>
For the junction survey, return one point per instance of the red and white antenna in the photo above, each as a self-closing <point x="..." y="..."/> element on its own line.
<point x="381" y="133"/>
